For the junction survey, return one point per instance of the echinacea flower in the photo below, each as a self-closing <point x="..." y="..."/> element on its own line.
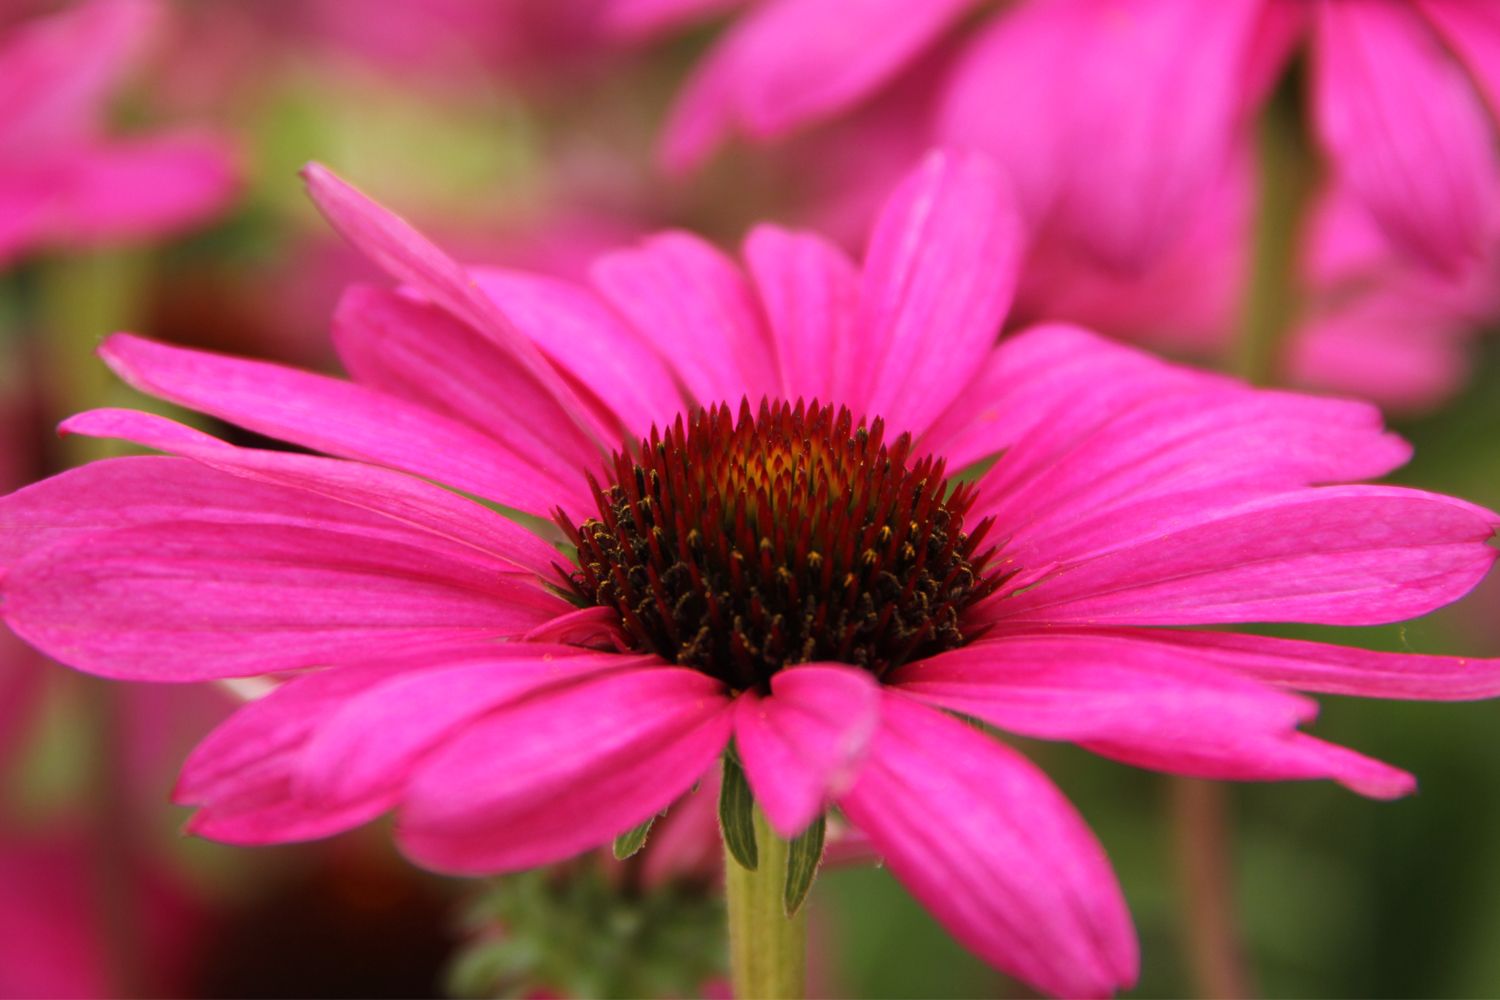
<point x="63" y="180"/>
<point x="1115" y="117"/>
<point x="766" y="541"/>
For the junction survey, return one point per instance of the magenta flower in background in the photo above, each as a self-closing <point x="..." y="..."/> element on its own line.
<point x="1117" y="152"/>
<point x="798" y="574"/>
<point x="63" y="180"/>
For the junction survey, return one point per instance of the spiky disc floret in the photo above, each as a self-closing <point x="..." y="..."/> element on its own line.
<point x="791" y="534"/>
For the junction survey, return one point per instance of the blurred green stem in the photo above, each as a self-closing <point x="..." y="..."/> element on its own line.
<point x="767" y="949"/>
<point x="84" y="297"/>
<point x="1200" y="811"/>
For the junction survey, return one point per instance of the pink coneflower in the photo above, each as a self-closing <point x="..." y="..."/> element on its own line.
<point x="759" y="537"/>
<point x="63" y="181"/>
<point x="1115" y="117"/>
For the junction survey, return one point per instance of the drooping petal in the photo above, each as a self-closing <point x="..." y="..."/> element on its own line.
<point x="802" y="746"/>
<point x="810" y="292"/>
<point x="639" y="19"/>
<point x="1329" y="669"/>
<point x="564" y="771"/>
<point x="585" y="339"/>
<point x="1341" y="555"/>
<point x="938" y="279"/>
<point x="371" y="740"/>
<point x="1297" y="757"/>
<point x="336" y="417"/>
<point x="694" y="306"/>
<point x="1405" y="129"/>
<point x="196" y="599"/>
<point x="1153" y="704"/>
<point x="441" y="518"/>
<point x="993" y="850"/>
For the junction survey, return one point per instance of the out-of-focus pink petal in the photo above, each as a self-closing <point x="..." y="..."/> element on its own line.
<point x="414" y="351"/>
<point x="1048" y="386"/>
<point x="1316" y="666"/>
<point x="686" y="840"/>
<point x="1405" y="129"/>
<point x="1297" y="757"/>
<point x="371" y="740"/>
<point x="1282" y="27"/>
<point x="1158" y="705"/>
<point x="810" y="292"/>
<point x="993" y="850"/>
<point x="1340" y="555"/>
<point x="1121" y="150"/>
<point x="136" y="188"/>
<point x="193" y="599"/>
<point x="938" y="279"/>
<point x="408" y="256"/>
<point x="802" y="745"/>
<point x="583" y="338"/>
<point x="340" y="418"/>
<point x="562" y="772"/>
<point x="21" y="683"/>
<point x="442" y="518"/>
<point x="1472" y="31"/>
<point x="56" y="72"/>
<point x="693" y="304"/>
<point x="789" y="62"/>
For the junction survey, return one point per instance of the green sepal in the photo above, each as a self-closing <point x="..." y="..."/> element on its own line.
<point x="632" y="840"/>
<point x="803" y="858"/>
<point x="737" y="814"/>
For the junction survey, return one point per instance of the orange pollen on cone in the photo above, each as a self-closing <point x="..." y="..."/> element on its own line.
<point x="788" y="534"/>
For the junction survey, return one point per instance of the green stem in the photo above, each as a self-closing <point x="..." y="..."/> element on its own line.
<point x="767" y="949"/>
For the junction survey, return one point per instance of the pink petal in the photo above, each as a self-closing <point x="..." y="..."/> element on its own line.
<point x="1156" y="458"/>
<point x="1133" y="135"/>
<point x="1405" y="129"/>
<point x="810" y="291"/>
<point x="803" y="745"/>
<point x="582" y="337"/>
<point x="1156" y="705"/>
<point x="440" y="517"/>
<point x="399" y="346"/>
<point x="1080" y="686"/>
<point x="937" y="282"/>
<point x="1297" y="757"/>
<point x="140" y="188"/>
<point x="557" y="774"/>
<point x="986" y="842"/>
<point x="339" y="418"/>
<point x="1047" y="387"/>
<point x="195" y="599"/>
<point x="57" y="72"/>
<point x="370" y="741"/>
<point x="693" y="305"/>
<point x="1341" y="555"/>
<point x="406" y="255"/>
<point x="1472" y="31"/>
<point x="1316" y="666"/>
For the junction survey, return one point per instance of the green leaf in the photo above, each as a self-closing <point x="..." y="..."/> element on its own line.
<point x="737" y="814"/>
<point x="803" y="858"/>
<point x="632" y="840"/>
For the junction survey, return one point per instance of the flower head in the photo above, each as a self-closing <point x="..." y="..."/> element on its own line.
<point x="760" y="536"/>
